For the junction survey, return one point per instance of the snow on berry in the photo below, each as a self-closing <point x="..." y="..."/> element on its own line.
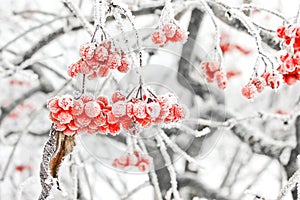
<point x="249" y="91"/>
<point x="77" y="107"/>
<point x="66" y="102"/>
<point x="117" y="96"/>
<point x="221" y="79"/>
<point x="64" y="117"/>
<point x="135" y="160"/>
<point x="259" y="83"/>
<point x="180" y="36"/>
<point x="52" y="105"/>
<point x="159" y="38"/>
<point x="169" y="30"/>
<point x="274" y="80"/>
<point x="119" y="109"/>
<point x="73" y="70"/>
<point x="153" y="109"/>
<point x="92" y="109"/>
<point x="139" y="109"/>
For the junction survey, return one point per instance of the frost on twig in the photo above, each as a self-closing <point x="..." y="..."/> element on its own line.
<point x="293" y="181"/>
<point x="56" y="149"/>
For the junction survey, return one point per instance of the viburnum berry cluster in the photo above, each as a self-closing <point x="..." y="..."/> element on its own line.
<point x="90" y="115"/>
<point x="146" y="110"/>
<point x="213" y="72"/>
<point x="85" y="114"/>
<point x="136" y="159"/>
<point x="169" y="32"/>
<point x="258" y="84"/>
<point x="290" y="58"/>
<point x="98" y="59"/>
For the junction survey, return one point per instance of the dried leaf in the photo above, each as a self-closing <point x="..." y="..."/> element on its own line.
<point x="56" y="149"/>
<point x="64" y="146"/>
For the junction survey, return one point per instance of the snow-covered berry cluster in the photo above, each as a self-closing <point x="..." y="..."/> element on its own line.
<point x="147" y="110"/>
<point x="290" y="57"/>
<point x="169" y="33"/>
<point x="91" y="115"/>
<point x="258" y="84"/>
<point x="98" y="59"/>
<point x="213" y="72"/>
<point x="82" y="115"/>
<point x="137" y="160"/>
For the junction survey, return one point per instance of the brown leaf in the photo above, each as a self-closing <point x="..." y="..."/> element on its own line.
<point x="64" y="146"/>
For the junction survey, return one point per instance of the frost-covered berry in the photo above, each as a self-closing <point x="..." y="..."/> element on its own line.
<point x="139" y="109"/>
<point x="180" y="36"/>
<point x="64" y="117"/>
<point x="84" y="68"/>
<point x="92" y="109"/>
<point x="84" y="49"/>
<point x="274" y="80"/>
<point x="259" y="83"/>
<point x="158" y="38"/>
<point x="73" y="70"/>
<point x="77" y="107"/>
<point x="249" y="91"/>
<point x="102" y="71"/>
<point x="119" y="109"/>
<point x="117" y="96"/>
<point x="153" y="109"/>
<point x="52" y="105"/>
<point x="101" y="53"/>
<point x="221" y="79"/>
<point x="169" y="30"/>
<point x="66" y="102"/>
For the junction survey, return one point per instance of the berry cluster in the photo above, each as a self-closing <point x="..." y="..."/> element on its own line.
<point x="169" y="33"/>
<point x="258" y="84"/>
<point x="82" y="115"/>
<point x="137" y="159"/>
<point x="213" y="72"/>
<point x="96" y="115"/>
<point x="290" y="66"/>
<point x="146" y="110"/>
<point x="98" y="59"/>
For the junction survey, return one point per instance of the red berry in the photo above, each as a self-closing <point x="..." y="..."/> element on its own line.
<point x="92" y="109"/>
<point x="221" y="79"/>
<point x="139" y="109"/>
<point x="110" y="118"/>
<point x="281" y="32"/>
<point x="158" y="38"/>
<point x="83" y="50"/>
<point x="119" y="109"/>
<point x="102" y="71"/>
<point x="69" y="132"/>
<point x="60" y="127"/>
<point x="87" y="97"/>
<point x="169" y="30"/>
<point x="66" y="102"/>
<point x="114" y="128"/>
<point x="73" y="70"/>
<point x="249" y="91"/>
<point x="82" y="120"/>
<point x="77" y="107"/>
<point x="100" y="119"/>
<point x="259" y="83"/>
<point x="103" y="99"/>
<point x="117" y="96"/>
<point x="64" y="117"/>
<point x="84" y="68"/>
<point x="180" y="36"/>
<point x="52" y="105"/>
<point x="274" y="80"/>
<point x="101" y="54"/>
